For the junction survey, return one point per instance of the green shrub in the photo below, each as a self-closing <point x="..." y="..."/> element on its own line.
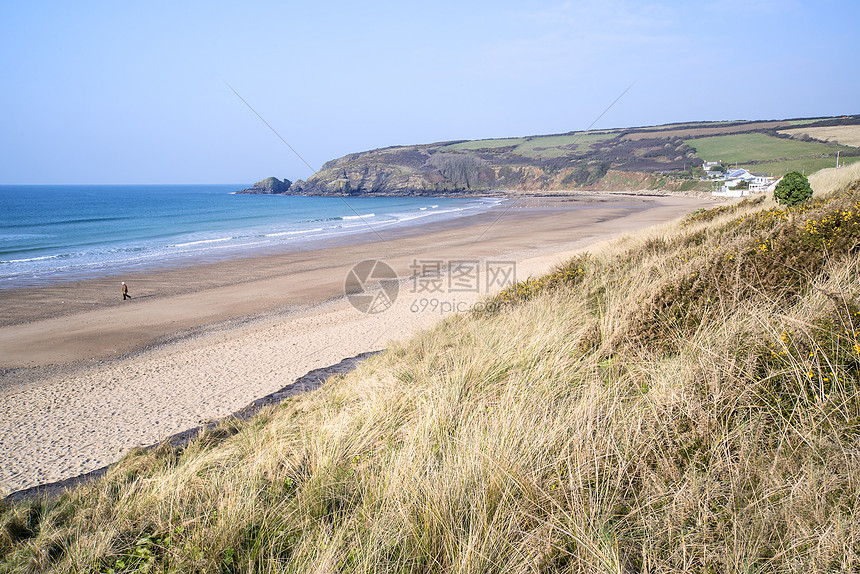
<point x="792" y="189"/>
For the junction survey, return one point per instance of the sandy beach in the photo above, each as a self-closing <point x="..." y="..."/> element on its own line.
<point x="86" y="376"/>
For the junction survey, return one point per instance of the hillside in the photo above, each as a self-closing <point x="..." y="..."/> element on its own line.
<point x="685" y="399"/>
<point x="664" y="157"/>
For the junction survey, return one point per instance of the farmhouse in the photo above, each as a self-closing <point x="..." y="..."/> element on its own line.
<point x="736" y="183"/>
<point x="762" y="182"/>
<point x="740" y="182"/>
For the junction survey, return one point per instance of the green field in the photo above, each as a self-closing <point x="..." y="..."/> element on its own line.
<point x="487" y="144"/>
<point x="755" y="147"/>
<point x="805" y="165"/>
<point x="539" y="146"/>
<point x="686" y="125"/>
<point x="554" y="146"/>
<point x="805" y="122"/>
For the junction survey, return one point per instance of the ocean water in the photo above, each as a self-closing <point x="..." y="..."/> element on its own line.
<point x="55" y="233"/>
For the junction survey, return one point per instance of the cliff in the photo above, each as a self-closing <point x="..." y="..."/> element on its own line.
<point x="656" y="157"/>
<point x="471" y="168"/>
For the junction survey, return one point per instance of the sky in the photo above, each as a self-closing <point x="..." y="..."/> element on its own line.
<point x="143" y="92"/>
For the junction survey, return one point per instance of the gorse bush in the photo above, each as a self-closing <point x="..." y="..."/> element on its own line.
<point x="774" y="251"/>
<point x="687" y="399"/>
<point x="566" y="275"/>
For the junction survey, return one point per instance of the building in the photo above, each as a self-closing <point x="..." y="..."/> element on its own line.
<point x="736" y="183"/>
<point x="711" y="169"/>
<point x="761" y="183"/>
<point x="740" y="182"/>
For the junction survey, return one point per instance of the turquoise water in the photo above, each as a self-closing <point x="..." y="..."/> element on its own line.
<point x="52" y="233"/>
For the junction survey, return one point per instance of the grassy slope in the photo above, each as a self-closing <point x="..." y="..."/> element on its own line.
<point x="487" y="144"/>
<point x="558" y="146"/>
<point x="804" y="165"/>
<point x="554" y="144"/>
<point x="743" y="148"/>
<point x="684" y="399"/>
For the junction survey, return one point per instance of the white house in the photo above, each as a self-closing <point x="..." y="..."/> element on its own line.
<point x="710" y="169"/>
<point x="739" y="174"/>
<point x="772" y="185"/>
<point x="761" y="182"/>
<point x="740" y="182"/>
<point x="737" y="183"/>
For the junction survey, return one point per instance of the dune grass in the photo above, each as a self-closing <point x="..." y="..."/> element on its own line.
<point x="685" y="399"/>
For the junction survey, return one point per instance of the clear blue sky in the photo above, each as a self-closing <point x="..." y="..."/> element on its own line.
<point x="134" y="92"/>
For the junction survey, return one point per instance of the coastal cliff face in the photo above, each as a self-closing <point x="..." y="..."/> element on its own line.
<point x="630" y="159"/>
<point x="401" y="171"/>
<point x="576" y="160"/>
<point x="446" y="169"/>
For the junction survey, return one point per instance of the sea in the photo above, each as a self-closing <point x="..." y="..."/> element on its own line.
<point x="51" y="233"/>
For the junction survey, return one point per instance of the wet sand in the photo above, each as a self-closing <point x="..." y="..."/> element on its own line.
<point x="85" y="376"/>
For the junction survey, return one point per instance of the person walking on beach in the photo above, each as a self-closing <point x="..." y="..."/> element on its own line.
<point x="125" y="294"/>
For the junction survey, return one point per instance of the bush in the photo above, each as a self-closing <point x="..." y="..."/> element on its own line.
<point x="580" y="175"/>
<point x="598" y="172"/>
<point x="792" y="189"/>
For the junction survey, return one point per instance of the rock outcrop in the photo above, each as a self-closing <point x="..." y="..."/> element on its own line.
<point x="270" y="185"/>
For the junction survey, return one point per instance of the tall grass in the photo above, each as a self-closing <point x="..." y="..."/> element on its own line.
<point x="683" y="400"/>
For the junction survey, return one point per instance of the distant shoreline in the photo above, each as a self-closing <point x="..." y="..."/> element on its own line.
<point x="66" y="233"/>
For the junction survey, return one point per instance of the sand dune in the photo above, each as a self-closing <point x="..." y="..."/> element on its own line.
<point x="86" y="377"/>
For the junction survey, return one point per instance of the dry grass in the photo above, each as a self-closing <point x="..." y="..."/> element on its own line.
<point x="845" y="135"/>
<point x="828" y="180"/>
<point x="544" y="435"/>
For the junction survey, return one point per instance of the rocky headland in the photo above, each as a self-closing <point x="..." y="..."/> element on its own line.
<point x="663" y="158"/>
<point x="270" y="185"/>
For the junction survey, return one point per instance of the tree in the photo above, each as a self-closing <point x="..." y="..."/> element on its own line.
<point x="792" y="189"/>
